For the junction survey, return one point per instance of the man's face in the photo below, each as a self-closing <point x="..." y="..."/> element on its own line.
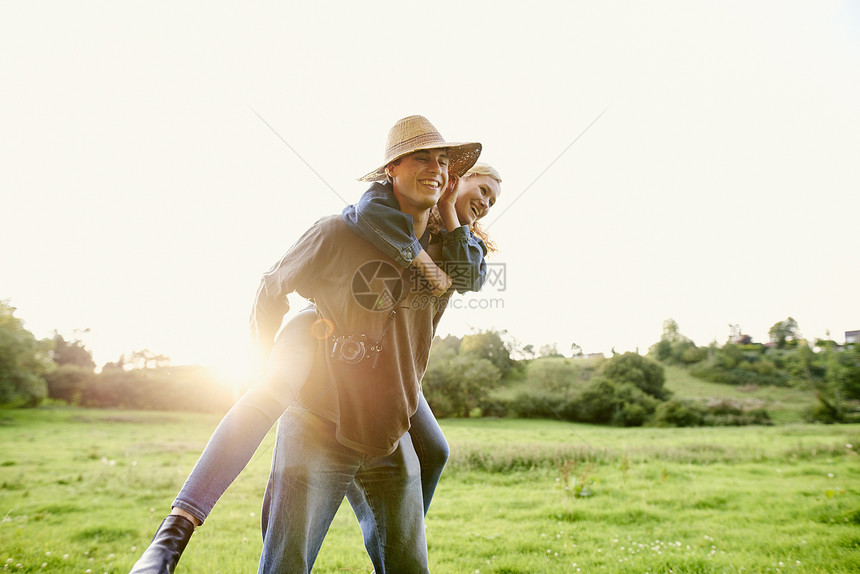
<point x="476" y="194"/>
<point x="419" y="179"/>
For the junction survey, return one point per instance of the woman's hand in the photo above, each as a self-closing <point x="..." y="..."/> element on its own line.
<point x="447" y="204"/>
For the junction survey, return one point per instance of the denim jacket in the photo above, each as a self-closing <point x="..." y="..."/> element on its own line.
<point x="377" y="217"/>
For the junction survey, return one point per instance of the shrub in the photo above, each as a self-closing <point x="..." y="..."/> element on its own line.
<point x="637" y="370"/>
<point x="678" y="413"/>
<point x="535" y="404"/>
<point x="456" y="386"/>
<point x="69" y="383"/>
<point x="596" y="403"/>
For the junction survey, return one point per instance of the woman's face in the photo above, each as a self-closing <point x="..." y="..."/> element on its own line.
<point x="476" y="194"/>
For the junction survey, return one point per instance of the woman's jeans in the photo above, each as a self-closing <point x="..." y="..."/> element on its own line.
<point x="311" y="474"/>
<point x="246" y="424"/>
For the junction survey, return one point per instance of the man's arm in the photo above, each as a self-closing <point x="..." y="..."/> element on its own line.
<point x="294" y="271"/>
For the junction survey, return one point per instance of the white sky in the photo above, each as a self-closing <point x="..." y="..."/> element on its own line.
<point x="142" y="198"/>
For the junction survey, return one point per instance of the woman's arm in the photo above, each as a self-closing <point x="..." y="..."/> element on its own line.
<point x="378" y="219"/>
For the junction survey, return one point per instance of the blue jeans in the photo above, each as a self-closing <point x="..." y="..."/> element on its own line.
<point x="246" y="424"/>
<point x="311" y="474"/>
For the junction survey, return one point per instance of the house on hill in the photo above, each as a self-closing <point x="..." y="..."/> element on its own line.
<point x="852" y="337"/>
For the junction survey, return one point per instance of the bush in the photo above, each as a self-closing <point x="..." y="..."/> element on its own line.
<point x="731" y="413"/>
<point x="596" y="403"/>
<point x="678" y="413"/>
<point x="455" y="386"/>
<point x="639" y="371"/>
<point x="633" y="407"/>
<point x="535" y="404"/>
<point x="70" y="383"/>
<point x="739" y="376"/>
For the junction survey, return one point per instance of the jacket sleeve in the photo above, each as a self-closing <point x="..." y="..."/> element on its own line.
<point x="463" y="259"/>
<point x="295" y="271"/>
<point x="377" y="217"/>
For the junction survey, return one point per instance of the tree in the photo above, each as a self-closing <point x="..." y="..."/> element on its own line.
<point x="529" y="351"/>
<point x="783" y="332"/>
<point x="146" y="359"/>
<point x="675" y="347"/>
<point x="549" y="351"/>
<point x="454" y="387"/>
<point x="638" y="371"/>
<point x="489" y="345"/>
<point x="23" y="361"/>
<point x="71" y="353"/>
<point x="671" y="332"/>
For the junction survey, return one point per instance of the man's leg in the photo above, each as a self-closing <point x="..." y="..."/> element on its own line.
<point x="390" y="511"/>
<point x="309" y="477"/>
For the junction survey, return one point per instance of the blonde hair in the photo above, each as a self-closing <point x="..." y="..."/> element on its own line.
<point x="435" y="225"/>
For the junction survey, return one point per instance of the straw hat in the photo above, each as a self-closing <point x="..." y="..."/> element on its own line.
<point x="416" y="133"/>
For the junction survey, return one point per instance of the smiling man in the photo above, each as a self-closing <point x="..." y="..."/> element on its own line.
<point x="348" y="426"/>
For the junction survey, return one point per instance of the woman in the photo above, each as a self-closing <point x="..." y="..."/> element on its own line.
<point x="243" y="428"/>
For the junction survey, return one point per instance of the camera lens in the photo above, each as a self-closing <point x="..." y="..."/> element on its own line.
<point x="352" y="351"/>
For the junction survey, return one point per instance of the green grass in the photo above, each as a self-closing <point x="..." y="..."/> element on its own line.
<point x="783" y="404"/>
<point x="83" y="490"/>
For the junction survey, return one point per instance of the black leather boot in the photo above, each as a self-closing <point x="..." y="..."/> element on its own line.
<point x="166" y="547"/>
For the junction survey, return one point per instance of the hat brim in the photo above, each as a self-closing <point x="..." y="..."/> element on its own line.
<point x="461" y="158"/>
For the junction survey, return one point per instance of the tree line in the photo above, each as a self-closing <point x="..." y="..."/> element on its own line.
<point x="477" y="375"/>
<point x="33" y="370"/>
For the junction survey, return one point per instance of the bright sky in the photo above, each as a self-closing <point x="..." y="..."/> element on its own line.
<point x="142" y="197"/>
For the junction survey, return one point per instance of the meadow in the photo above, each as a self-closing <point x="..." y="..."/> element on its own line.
<point x="82" y="491"/>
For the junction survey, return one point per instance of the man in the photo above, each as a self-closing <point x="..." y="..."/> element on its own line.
<point x="351" y="417"/>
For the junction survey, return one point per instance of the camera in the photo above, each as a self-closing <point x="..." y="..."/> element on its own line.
<point x="353" y="350"/>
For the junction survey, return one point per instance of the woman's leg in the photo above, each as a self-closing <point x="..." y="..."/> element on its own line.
<point x="237" y="437"/>
<point x="431" y="448"/>
<point x="243" y="428"/>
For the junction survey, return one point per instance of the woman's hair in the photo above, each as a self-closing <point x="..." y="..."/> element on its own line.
<point x="434" y="224"/>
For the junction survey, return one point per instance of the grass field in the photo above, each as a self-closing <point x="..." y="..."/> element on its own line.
<point x="82" y="491"/>
<point x="783" y="404"/>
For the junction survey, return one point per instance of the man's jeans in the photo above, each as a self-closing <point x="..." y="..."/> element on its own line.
<point x="311" y="473"/>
